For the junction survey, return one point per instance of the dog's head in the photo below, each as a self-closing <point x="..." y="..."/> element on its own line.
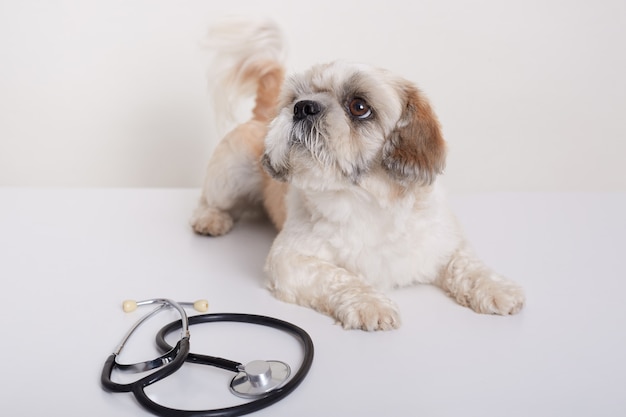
<point x="339" y="122"/>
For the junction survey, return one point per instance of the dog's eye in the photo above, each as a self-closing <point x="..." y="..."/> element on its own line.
<point x="359" y="108"/>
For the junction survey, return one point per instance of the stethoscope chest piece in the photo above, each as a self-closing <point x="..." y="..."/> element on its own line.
<point x="258" y="378"/>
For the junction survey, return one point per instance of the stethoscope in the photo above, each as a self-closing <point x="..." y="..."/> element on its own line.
<point x="265" y="382"/>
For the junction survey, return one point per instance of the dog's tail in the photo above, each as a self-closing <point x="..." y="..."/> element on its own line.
<point x="248" y="62"/>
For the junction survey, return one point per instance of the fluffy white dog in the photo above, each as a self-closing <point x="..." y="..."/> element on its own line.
<point x="353" y="153"/>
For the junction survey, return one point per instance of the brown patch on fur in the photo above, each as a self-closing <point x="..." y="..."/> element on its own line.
<point x="274" y="200"/>
<point x="265" y="109"/>
<point x="415" y="151"/>
<point x="270" y="80"/>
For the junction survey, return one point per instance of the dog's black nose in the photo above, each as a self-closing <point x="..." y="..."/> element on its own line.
<point x="306" y="108"/>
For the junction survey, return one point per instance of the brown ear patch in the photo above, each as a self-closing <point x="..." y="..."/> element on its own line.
<point x="415" y="151"/>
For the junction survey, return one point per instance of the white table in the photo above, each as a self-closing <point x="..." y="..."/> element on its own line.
<point x="69" y="257"/>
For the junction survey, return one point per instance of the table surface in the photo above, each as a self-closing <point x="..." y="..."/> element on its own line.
<point x="68" y="257"/>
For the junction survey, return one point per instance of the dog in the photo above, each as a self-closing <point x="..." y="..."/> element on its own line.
<point x="344" y="159"/>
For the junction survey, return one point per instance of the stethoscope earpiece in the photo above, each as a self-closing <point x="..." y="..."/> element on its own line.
<point x="131" y="305"/>
<point x="201" y="306"/>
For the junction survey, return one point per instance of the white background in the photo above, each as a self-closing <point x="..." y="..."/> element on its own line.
<point x="531" y="93"/>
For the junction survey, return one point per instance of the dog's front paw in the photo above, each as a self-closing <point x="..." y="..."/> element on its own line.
<point x="368" y="312"/>
<point x="474" y="285"/>
<point x="500" y="297"/>
<point x="211" y="221"/>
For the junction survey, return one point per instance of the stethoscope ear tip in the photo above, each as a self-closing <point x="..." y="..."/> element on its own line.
<point x="201" y="305"/>
<point x="129" y="305"/>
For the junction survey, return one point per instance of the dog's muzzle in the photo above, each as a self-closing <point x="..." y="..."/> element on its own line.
<point x="306" y="109"/>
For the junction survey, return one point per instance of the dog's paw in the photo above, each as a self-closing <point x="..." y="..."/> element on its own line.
<point x="211" y="221"/>
<point x="369" y="312"/>
<point x="499" y="297"/>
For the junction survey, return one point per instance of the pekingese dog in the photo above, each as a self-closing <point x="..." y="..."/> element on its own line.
<point x="344" y="159"/>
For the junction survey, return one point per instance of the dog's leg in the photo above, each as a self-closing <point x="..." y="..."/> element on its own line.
<point x="233" y="181"/>
<point x="312" y="282"/>
<point x="472" y="284"/>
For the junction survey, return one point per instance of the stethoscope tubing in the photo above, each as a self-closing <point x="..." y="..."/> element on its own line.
<point x="242" y="409"/>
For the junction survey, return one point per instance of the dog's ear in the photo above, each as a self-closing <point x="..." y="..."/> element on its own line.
<point x="415" y="151"/>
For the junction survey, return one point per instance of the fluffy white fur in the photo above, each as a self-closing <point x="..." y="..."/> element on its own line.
<point x="352" y="154"/>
